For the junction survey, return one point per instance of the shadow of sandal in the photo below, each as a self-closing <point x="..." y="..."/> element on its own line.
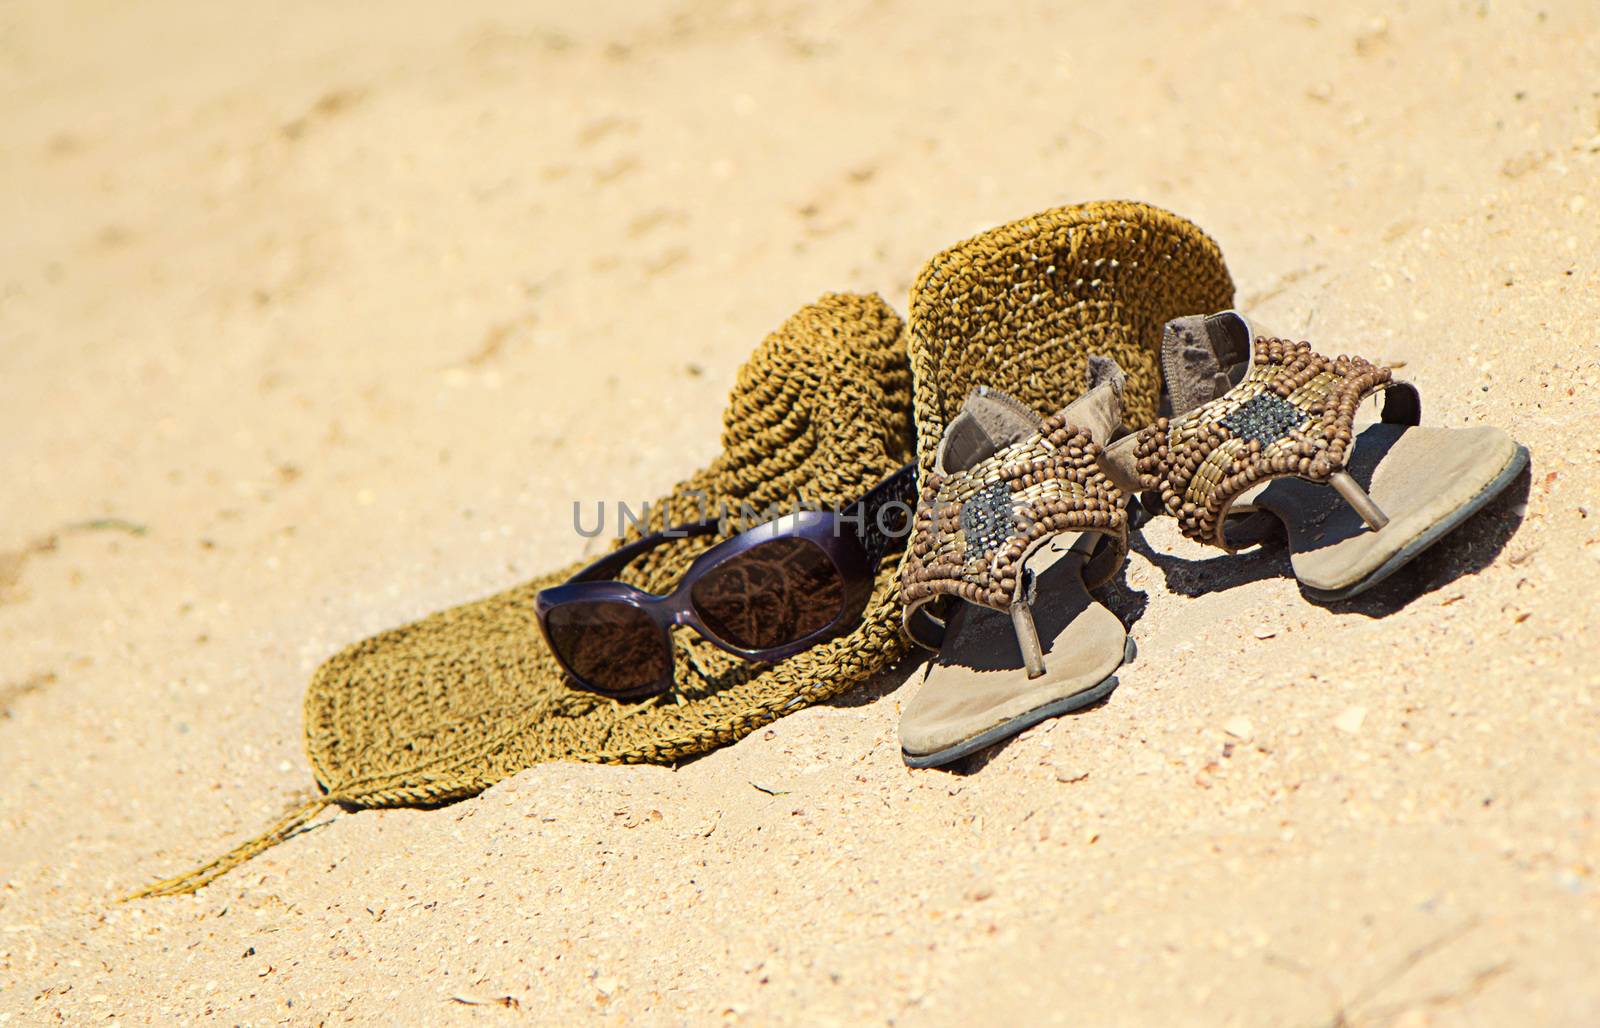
<point x="1126" y="602"/>
<point x="1225" y="571"/>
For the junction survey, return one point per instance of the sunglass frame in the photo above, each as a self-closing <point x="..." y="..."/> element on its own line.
<point x="827" y="530"/>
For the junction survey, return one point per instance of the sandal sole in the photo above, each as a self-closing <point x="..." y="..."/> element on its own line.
<point x="1022" y="722"/>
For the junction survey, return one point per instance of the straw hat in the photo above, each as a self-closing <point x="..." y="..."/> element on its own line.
<point x="1021" y="308"/>
<point x="443" y="708"/>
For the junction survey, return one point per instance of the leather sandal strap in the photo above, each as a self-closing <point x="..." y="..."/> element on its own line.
<point x="1197" y="354"/>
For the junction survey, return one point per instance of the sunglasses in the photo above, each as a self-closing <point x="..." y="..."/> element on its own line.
<point x="763" y="595"/>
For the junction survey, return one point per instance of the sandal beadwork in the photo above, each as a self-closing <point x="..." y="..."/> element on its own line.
<point x="1292" y="415"/>
<point x="975" y="528"/>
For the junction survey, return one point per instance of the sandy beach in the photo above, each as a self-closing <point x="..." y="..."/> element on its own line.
<point x="315" y="319"/>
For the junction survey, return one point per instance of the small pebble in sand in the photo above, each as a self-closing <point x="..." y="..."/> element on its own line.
<point x="1239" y="727"/>
<point x="1265" y="632"/>
<point x="1351" y="720"/>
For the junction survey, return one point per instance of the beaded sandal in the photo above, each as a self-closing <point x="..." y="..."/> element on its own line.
<point x="1019" y="521"/>
<point x="1268" y="425"/>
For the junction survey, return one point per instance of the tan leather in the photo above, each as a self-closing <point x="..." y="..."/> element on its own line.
<point x="1099" y="410"/>
<point x="1119" y="465"/>
<point x="987" y="422"/>
<point x="1199" y="354"/>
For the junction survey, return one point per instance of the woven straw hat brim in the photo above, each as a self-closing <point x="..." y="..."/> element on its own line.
<point x="1022" y="307"/>
<point x="446" y="706"/>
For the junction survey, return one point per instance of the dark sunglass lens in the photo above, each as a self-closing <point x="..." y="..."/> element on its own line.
<point x="770" y="595"/>
<point x="612" y="647"/>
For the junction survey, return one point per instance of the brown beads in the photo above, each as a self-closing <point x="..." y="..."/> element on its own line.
<point x="1292" y="415"/>
<point x="974" y="527"/>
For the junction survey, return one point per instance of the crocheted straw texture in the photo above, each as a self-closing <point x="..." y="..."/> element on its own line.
<point x="1022" y="307"/>
<point x="442" y="708"/>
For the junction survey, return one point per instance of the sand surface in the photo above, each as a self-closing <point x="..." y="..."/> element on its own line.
<point x="301" y="306"/>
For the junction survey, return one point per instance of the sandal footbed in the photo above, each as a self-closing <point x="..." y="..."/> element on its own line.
<point x="977" y="687"/>
<point x="1428" y="480"/>
<point x="1016" y="726"/>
